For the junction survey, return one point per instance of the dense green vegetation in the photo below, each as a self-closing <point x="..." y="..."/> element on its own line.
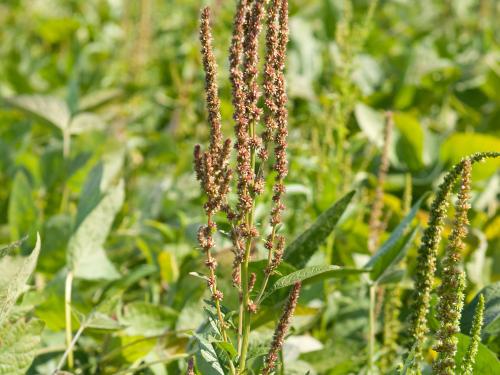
<point x="101" y="271"/>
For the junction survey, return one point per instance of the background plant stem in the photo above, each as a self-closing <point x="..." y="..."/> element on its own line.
<point x="67" y="304"/>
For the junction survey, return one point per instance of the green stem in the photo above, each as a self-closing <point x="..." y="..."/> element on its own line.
<point x="244" y="307"/>
<point x="268" y="274"/>
<point x="244" y="313"/>
<point x="371" y="329"/>
<point x="66" y="153"/>
<point x="69" y="349"/>
<point x="67" y="304"/>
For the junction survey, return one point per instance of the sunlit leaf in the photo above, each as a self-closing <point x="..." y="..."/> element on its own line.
<point x="146" y="319"/>
<point x="49" y="108"/>
<point x="313" y="274"/>
<point x="371" y="123"/>
<point x="14" y="274"/>
<point x="459" y="145"/>
<point x="86" y="254"/>
<point x="19" y="342"/>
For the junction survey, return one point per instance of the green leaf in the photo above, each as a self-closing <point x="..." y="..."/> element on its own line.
<point x="49" y="108"/>
<point x="207" y="362"/>
<point x="491" y="321"/>
<point x="146" y="319"/>
<point x="23" y="214"/>
<point x="486" y="360"/>
<point x="392" y="276"/>
<point x="312" y="274"/>
<point x="14" y="274"/>
<point x="87" y="256"/>
<point x="7" y="249"/>
<point x="91" y="194"/>
<point x="409" y="140"/>
<point x="102" y="321"/>
<point x="396" y="245"/>
<point x="19" y="342"/>
<point x="86" y="121"/>
<point x="460" y="145"/>
<point x="371" y="122"/>
<point x="303" y="247"/>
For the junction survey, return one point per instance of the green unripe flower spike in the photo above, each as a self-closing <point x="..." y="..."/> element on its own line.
<point x="427" y="253"/>
<point x="470" y="356"/>
<point x="451" y="291"/>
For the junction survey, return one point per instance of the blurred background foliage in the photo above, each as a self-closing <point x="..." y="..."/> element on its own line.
<point x="120" y="82"/>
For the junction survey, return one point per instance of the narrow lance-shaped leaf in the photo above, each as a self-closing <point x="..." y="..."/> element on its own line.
<point x="312" y="274"/>
<point x="303" y="247"/>
<point x="14" y="274"/>
<point x="396" y="245"/>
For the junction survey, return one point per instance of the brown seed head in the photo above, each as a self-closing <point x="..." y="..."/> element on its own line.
<point x="281" y="330"/>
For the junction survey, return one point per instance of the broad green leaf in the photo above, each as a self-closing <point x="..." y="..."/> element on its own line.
<point x="86" y="121"/>
<point x="371" y="122"/>
<point x="396" y="245"/>
<point x="102" y="321"/>
<point x="460" y="145"/>
<point x="312" y="274"/>
<point x="133" y="348"/>
<point x="87" y="257"/>
<point x="227" y="348"/>
<point x="491" y="321"/>
<point x="169" y="270"/>
<point x="146" y="319"/>
<point x="486" y="360"/>
<point x="23" y="213"/>
<point x="14" y="274"/>
<point x="49" y="108"/>
<point x="98" y="182"/>
<point x="19" y="342"/>
<point x="409" y="140"/>
<point x="303" y="247"/>
<point x="91" y="194"/>
<point x="207" y="362"/>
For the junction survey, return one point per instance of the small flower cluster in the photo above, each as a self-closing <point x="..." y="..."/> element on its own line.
<point x="451" y="291"/>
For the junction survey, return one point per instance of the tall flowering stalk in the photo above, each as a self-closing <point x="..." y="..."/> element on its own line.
<point x="427" y="252"/>
<point x="475" y="333"/>
<point x="252" y="152"/>
<point x="211" y="166"/>
<point x="281" y="330"/>
<point x="376" y="225"/>
<point x="451" y="291"/>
